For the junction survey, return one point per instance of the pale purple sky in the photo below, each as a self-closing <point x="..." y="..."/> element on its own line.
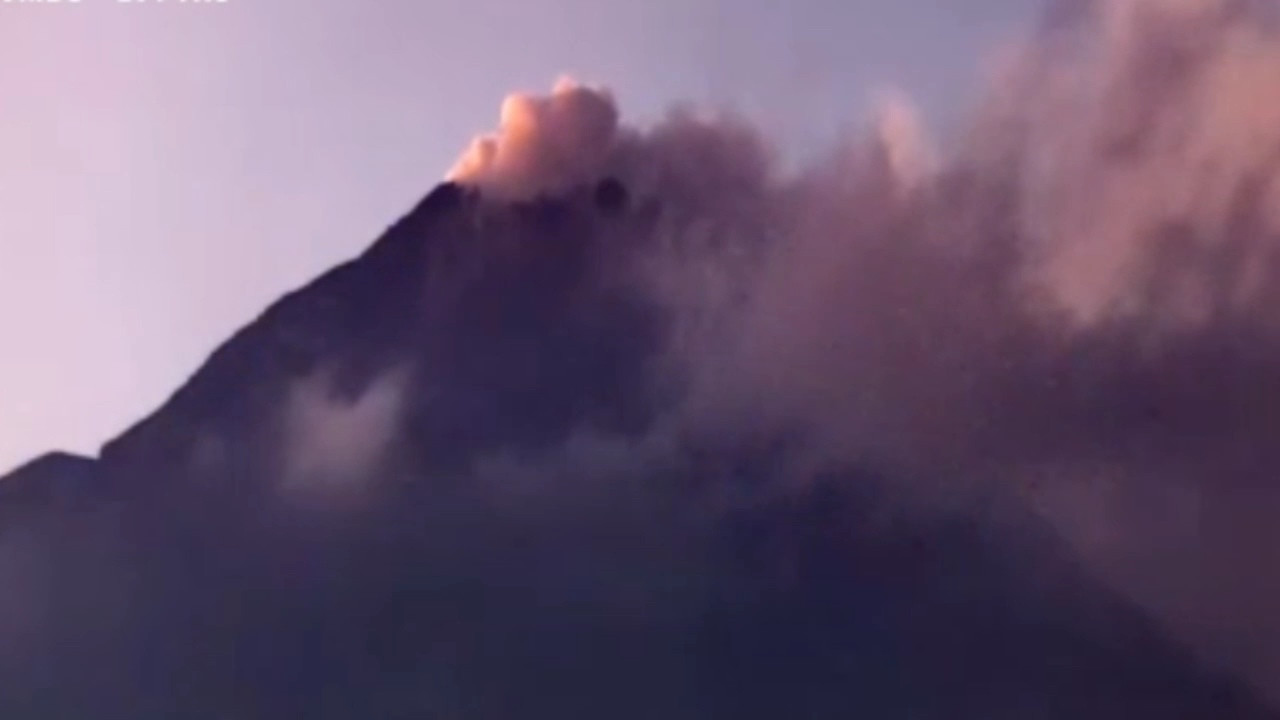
<point x="166" y="170"/>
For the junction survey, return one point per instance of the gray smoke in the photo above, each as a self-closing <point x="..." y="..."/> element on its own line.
<point x="1073" y="306"/>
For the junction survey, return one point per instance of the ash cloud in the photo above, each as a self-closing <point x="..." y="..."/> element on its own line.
<point x="1073" y="306"/>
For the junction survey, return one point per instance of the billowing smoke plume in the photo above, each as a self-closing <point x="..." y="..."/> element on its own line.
<point x="544" y="145"/>
<point x="1073" y="306"/>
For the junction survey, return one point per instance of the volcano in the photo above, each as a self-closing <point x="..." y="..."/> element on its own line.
<point x="443" y="480"/>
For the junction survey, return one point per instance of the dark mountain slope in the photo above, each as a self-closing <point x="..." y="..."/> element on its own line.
<point x="52" y="481"/>
<point x="518" y="544"/>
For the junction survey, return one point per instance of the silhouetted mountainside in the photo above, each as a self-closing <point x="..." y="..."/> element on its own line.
<point x="443" y="481"/>
<point x="50" y="482"/>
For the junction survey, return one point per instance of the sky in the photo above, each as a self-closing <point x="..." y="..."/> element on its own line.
<point x="167" y="170"/>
